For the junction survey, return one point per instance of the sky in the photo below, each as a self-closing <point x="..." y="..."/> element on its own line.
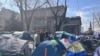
<point x="83" y="8"/>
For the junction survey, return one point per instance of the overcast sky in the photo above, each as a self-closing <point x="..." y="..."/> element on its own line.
<point x="85" y="10"/>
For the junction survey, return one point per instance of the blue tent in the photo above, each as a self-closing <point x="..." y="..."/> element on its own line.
<point x="23" y="35"/>
<point x="47" y="48"/>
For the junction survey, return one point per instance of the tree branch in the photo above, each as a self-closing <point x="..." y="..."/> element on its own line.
<point x="57" y="7"/>
<point x="97" y="20"/>
<point x="62" y="18"/>
<point x="98" y="16"/>
<point x="51" y="7"/>
<point x="31" y="17"/>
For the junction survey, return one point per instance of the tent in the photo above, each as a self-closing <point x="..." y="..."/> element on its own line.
<point x="23" y="35"/>
<point x="9" y="45"/>
<point x="61" y="34"/>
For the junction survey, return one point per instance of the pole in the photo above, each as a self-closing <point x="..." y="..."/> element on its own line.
<point x="45" y="52"/>
<point x="78" y="7"/>
<point x="93" y="21"/>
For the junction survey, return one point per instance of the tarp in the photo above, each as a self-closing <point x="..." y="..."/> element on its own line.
<point x="76" y="49"/>
<point x="10" y="45"/>
<point x="69" y="53"/>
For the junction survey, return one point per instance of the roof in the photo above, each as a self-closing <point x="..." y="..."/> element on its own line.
<point x="6" y="14"/>
<point x="46" y="12"/>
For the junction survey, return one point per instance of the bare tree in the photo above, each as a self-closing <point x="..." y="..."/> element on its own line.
<point x="96" y="17"/>
<point x="14" y="24"/>
<point x="0" y="4"/>
<point x="24" y="6"/>
<point x="58" y="20"/>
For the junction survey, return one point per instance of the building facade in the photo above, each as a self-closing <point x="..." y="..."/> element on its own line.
<point x="72" y="25"/>
<point x="43" y="18"/>
<point x="5" y="18"/>
<point x="2" y="25"/>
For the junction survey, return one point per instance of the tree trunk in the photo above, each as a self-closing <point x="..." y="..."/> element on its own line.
<point x="57" y="28"/>
<point x="26" y="19"/>
<point x="21" y="11"/>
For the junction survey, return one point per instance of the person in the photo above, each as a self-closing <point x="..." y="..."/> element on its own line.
<point x="36" y="38"/>
<point x="53" y="47"/>
<point x="46" y="35"/>
<point x="50" y="36"/>
<point x="42" y="36"/>
<point x="97" y="52"/>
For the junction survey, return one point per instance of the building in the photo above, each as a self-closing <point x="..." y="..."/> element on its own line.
<point x="72" y="25"/>
<point x="89" y="31"/>
<point x="2" y="25"/>
<point x="43" y="18"/>
<point x="5" y="16"/>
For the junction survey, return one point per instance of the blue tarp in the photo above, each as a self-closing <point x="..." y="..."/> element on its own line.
<point x="72" y="39"/>
<point x="69" y="53"/>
